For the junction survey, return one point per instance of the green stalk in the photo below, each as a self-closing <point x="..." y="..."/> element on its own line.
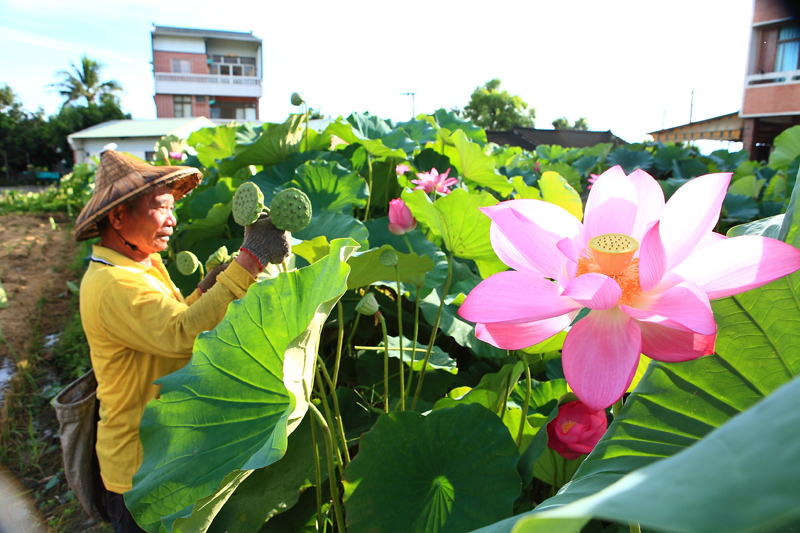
<point x="414" y="348"/>
<point x="306" y="128"/>
<point x="326" y="430"/>
<point x="527" y="398"/>
<point x="337" y="411"/>
<point x="323" y="398"/>
<point x="353" y="331"/>
<point x="339" y="344"/>
<point x="615" y="409"/>
<point x="400" y="335"/>
<point x="435" y="329"/>
<point x="408" y="243"/>
<point x="635" y="527"/>
<point x="318" y="471"/>
<point x="385" y="362"/>
<point x="369" y="182"/>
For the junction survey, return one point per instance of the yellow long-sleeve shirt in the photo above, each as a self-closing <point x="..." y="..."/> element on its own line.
<point x="139" y="329"/>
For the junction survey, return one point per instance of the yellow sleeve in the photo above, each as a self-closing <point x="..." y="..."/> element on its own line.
<point x="145" y="319"/>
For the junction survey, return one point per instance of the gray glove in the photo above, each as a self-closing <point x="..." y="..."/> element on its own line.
<point x="211" y="278"/>
<point x="265" y="242"/>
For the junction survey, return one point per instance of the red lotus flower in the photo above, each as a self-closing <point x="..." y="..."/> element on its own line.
<point x="400" y="219"/>
<point x="576" y="430"/>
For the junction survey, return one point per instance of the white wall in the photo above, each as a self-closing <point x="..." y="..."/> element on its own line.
<point x="86" y="148"/>
<point x="169" y="43"/>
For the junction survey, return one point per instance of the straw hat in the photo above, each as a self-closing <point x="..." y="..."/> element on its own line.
<point x="121" y="178"/>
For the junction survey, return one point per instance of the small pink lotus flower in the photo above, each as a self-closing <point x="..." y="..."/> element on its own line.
<point x="645" y="268"/>
<point x="402" y="169"/>
<point x="401" y="220"/>
<point x="592" y="178"/>
<point x="576" y="430"/>
<point x="433" y="181"/>
<point x="177" y="156"/>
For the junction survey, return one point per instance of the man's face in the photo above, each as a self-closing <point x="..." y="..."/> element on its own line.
<point x="149" y="226"/>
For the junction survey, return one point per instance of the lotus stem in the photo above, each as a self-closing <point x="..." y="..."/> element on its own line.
<point x="527" y="398"/>
<point x="369" y="182"/>
<point x="326" y="430"/>
<point x="329" y="419"/>
<point x="435" y="329"/>
<point x="339" y="341"/>
<point x="385" y="362"/>
<point x="400" y="337"/>
<point x="635" y="527"/>
<point x="414" y="348"/>
<point x="318" y="472"/>
<point x="337" y="411"/>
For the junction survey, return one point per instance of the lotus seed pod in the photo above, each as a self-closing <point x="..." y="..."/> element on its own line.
<point x="217" y="258"/>
<point x="248" y="203"/>
<point x="388" y="258"/>
<point x="297" y="99"/>
<point x="368" y="305"/>
<point x="290" y="210"/>
<point x="187" y="263"/>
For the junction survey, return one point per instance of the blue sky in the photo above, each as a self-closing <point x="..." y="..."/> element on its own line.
<point x="626" y="65"/>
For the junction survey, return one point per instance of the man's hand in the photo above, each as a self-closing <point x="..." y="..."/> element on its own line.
<point x="211" y="278"/>
<point x="265" y="242"/>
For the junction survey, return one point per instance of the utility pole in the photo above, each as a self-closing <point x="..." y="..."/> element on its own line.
<point x="691" y="107"/>
<point x="412" y="95"/>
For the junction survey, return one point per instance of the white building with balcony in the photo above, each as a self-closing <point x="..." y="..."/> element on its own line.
<point x="206" y="73"/>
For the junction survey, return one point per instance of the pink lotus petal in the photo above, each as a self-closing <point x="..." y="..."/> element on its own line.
<point x="736" y="265"/>
<point x="650" y="199"/>
<point x="519" y="336"/>
<point x="611" y="207"/>
<point x="685" y="303"/>
<point x="690" y="215"/>
<point x="524" y="244"/>
<point x="652" y="259"/>
<point x="600" y="356"/>
<point x="594" y="291"/>
<point x="674" y="345"/>
<point x="569" y="249"/>
<point x="513" y="297"/>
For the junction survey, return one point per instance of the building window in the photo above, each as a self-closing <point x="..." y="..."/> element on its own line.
<point x="182" y="106"/>
<point x="200" y="99"/>
<point x="219" y="65"/>
<point x="788" y="57"/>
<point x="242" y="111"/>
<point x="182" y="66"/>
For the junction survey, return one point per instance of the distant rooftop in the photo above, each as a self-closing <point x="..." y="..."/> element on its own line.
<point x="142" y="128"/>
<point x="530" y="138"/>
<point x="214" y="34"/>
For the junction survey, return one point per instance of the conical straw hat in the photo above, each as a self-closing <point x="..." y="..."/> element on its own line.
<point x="121" y="178"/>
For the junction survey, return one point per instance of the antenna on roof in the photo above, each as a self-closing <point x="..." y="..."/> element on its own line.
<point x="412" y="95"/>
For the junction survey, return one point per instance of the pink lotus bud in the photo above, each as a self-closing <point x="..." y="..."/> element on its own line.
<point x="402" y="169"/>
<point x="400" y="218"/>
<point x="576" y="430"/>
<point x="177" y="156"/>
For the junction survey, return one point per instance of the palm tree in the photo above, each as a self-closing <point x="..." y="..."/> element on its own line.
<point x="84" y="82"/>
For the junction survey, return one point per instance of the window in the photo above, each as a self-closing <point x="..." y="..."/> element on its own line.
<point x="240" y="111"/>
<point x="219" y="65"/>
<point x="788" y="57"/>
<point x="182" y="66"/>
<point x="182" y="106"/>
<point x="200" y="99"/>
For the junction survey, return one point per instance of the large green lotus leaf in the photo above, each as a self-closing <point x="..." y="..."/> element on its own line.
<point x="330" y="187"/>
<point x="447" y="472"/>
<point x="385" y="187"/>
<point x="556" y="190"/>
<point x="419" y="131"/>
<point x="369" y="132"/>
<point x="334" y="226"/>
<point x="787" y="148"/>
<point x="232" y="406"/>
<point x="525" y="191"/>
<point x="747" y="185"/>
<point x="491" y="392"/>
<point x="439" y="359"/>
<point x="201" y="229"/>
<point x="630" y="160"/>
<point x="313" y="250"/>
<point x="447" y="119"/>
<point x="273" y="489"/>
<point x="665" y="155"/>
<point x="458" y="220"/>
<point x="566" y="171"/>
<point x="474" y="165"/>
<point x="366" y="268"/>
<point x="275" y="142"/>
<point x="740" y="207"/>
<point x="767" y="227"/>
<point x="213" y="144"/>
<point x="429" y="159"/>
<point x="200" y="203"/>
<point x="551" y="153"/>
<point x="744" y="476"/>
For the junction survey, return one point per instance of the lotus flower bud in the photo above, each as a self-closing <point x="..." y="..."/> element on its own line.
<point x="297" y="98"/>
<point x="576" y="430"/>
<point x="368" y="305"/>
<point x="400" y="218"/>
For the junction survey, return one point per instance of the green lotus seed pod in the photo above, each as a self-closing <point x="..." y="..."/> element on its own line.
<point x="368" y="305"/>
<point x="297" y="99"/>
<point x="248" y="203"/>
<point x="187" y="263"/>
<point x="217" y="258"/>
<point x="290" y="210"/>
<point x="388" y="258"/>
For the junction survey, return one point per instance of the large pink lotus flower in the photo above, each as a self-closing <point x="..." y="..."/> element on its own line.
<point x="575" y="430"/>
<point x="645" y="269"/>
<point x="401" y="220"/>
<point x="433" y="181"/>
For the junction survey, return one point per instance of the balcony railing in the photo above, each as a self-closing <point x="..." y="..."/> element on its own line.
<point x="773" y="78"/>
<point x="207" y="78"/>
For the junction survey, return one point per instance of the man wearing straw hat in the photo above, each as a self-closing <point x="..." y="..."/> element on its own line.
<point x="138" y="325"/>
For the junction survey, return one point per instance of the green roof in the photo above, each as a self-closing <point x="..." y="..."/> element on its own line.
<point x="141" y="128"/>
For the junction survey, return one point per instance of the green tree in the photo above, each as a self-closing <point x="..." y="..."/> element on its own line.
<point x="71" y="119"/>
<point x="84" y="82"/>
<point x="25" y="138"/>
<point x="493" y="109"/>
<point x="563" y="124"/>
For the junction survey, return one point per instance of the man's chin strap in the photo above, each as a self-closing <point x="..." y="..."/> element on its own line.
<point x="129" y="245"/>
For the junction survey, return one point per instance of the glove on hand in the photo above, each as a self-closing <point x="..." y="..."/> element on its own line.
<point x="265" y="242"/>
<point x="211" y="278"/>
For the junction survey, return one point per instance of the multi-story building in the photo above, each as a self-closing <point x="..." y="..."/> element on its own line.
<point x="771" y="100"/>
<point x="206" y="73"/>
